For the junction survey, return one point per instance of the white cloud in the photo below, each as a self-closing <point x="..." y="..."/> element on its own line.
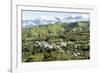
<point x="48" y="18"/>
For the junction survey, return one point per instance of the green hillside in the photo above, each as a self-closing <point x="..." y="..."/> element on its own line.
<point x="53" y="42"/>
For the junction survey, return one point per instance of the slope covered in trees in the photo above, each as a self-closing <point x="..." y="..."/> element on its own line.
<point x="58" y="41"/>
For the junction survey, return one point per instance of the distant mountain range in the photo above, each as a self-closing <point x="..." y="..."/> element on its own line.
<point x="44" y="20"/>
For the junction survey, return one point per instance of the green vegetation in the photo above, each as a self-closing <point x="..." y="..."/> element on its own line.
<point x="55" y="42"/>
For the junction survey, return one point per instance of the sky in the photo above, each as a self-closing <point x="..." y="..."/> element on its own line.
<point x="29" y="15"/>
<point x="50" y="16"/>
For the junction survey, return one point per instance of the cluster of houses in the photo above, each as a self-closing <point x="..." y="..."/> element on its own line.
<point x="57" y="45"/>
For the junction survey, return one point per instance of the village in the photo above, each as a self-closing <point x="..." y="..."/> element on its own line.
<point x="58" y="46"/>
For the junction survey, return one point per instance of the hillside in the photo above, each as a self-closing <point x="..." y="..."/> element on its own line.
<point x="57" y="41"/>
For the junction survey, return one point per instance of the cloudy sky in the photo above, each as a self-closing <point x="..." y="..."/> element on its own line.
<point x="54" y="16"/>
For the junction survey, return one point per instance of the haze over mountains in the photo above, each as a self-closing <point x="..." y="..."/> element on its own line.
<point x="34" y="18"/>
<point x="51" y="20"/>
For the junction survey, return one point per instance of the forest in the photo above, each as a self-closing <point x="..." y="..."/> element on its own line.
<point x="56" y="42"/>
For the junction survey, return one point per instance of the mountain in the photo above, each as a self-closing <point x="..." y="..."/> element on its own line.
<point x="79" y="26"/>
<point x="45" y="20"/>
